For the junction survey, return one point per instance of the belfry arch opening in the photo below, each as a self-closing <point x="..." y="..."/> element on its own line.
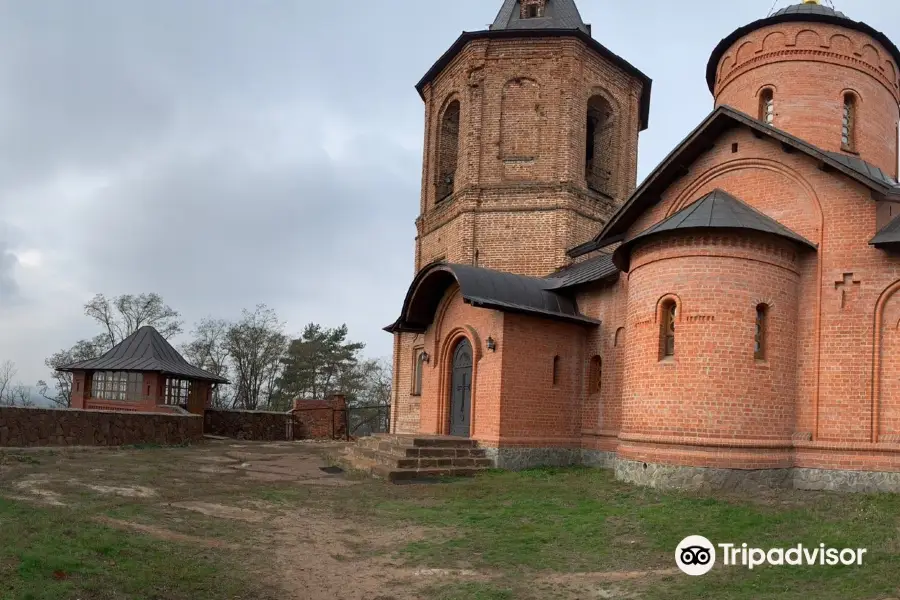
<point x="447" y="151"/>
<point x="599" y="157"/>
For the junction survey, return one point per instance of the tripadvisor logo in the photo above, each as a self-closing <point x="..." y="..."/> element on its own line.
<point x="696" y="555"/>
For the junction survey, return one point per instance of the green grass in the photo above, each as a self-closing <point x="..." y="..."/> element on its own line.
<point x="50" y="554"/>
<point x="580" y="520"/>
<point x="470" y="591"/>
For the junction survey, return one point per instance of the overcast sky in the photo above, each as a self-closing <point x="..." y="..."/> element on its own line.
<point x="225" y="153"/>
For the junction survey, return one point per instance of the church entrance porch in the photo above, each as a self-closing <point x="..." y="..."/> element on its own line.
<point x="461" y="390"/>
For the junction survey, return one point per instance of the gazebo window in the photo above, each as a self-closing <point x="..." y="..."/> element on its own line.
<point x="117" y="385"/>
<point x="177" y="391"/>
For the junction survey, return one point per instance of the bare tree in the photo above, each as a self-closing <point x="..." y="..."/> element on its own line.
<point x="7" y="373"/>
<point x="123" y="315"/>
<point x="12" y="393"/>
<point x="118" y="317"/>
<point x="61" y="393"/>
<point x="208" y="351"/>
<point x="256" y="345"/>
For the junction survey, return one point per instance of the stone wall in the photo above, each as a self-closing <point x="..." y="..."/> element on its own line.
<point x="21" y="427"/>
<point x="248" y="424"/>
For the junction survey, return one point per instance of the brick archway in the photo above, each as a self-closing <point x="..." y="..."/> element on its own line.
<point x="445" y="367"/>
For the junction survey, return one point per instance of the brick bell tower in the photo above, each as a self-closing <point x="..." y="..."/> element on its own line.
<point x="531" y="141"/>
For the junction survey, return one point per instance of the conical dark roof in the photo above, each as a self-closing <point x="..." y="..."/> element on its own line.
<point x="716" y="210"/>
<point x="145" y="350"/>
<point x="558" y="14"/>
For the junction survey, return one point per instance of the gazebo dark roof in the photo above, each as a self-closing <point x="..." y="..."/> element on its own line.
<point x="145" y="350"/>
<point x="716" y="210"/>
<point x="806" y="12"/>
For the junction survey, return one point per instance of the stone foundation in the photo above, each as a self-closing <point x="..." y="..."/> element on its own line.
<point x="601" y="459"/>
<point x="672" y="477"/>
<point x="516" y="458"/>
<point x="667" y="477"/>
<point x="846" y="481"/>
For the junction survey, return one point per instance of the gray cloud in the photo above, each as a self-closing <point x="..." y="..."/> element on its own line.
<point x="225" y="153"/>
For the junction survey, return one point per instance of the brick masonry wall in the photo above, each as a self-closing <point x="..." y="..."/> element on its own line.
<point x="810" y="66"/>
<point x="534" y="410"/>
<point x="21" y="427"/>
<point x="320" y="419"/>
<point x="248" y="425"/>
<point x="827" y="400"/>
<point x="601" y="417"/>
<point x="454" y="321"/>
<point x="521" y="198"/>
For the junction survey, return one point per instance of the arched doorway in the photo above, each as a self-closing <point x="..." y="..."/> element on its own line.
<point x="461" y="389"/>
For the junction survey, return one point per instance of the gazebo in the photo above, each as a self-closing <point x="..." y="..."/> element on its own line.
<point x="142" y="373"/>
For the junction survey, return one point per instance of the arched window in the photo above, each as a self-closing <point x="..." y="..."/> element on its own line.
<point x="600" y="146"/>
<point x="448" y="151"/>
<point x="620" y="333"/>
<point x="418" y="368"/>
<point x="767" y="106"/>
<point x="848" y="123"/>
<point x="667" y="329"/>
<point x="556" y="361"/>
<point x="762" y="318"/>
<point x="596" y="374"/>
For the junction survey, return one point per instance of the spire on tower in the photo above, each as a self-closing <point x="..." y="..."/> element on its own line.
<point x="539" y="14"/>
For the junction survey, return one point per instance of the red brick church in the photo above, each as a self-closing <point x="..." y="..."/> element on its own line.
<point x="730" y="321"/>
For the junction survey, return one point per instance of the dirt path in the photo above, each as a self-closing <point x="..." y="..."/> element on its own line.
<point x="212" y="496"/>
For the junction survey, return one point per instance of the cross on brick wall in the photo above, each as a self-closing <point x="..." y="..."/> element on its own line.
<point x="848" y="285"/>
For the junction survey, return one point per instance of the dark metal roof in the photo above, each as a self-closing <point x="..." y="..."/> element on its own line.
<point x="864" y="168"/>
<point x="144" y="350"/>
<point x="558" y="14"/>
<point x="810" y="13"/>
<point x="716" y="210"/>
<point x="599" y="268"/>
<point x="483" y="288"/>
<point x="808" y="8"/>
<point x="888" y="236"/>
<point x="702" y="139"/>
<point x="562" y="20"/>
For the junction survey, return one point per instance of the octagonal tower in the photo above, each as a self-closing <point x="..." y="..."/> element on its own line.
<point x="815" y="73"/>
<point x="530" y="141"/>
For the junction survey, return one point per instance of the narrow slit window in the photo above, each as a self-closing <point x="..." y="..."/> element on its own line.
<point x="596" y="374"/>
<point x="418" y="367"/>
<point x="667" y="331"/>
<point x="767" y="106"/>
<point x="762" y="317"/>
<point x="848" y="123"/>
<point x="556" y="361"/>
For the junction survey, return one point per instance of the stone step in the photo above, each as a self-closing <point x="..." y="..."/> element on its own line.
<point x="426" y="441"/>
<point x="415" y="462"/>
<point x="398" y="474"/>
